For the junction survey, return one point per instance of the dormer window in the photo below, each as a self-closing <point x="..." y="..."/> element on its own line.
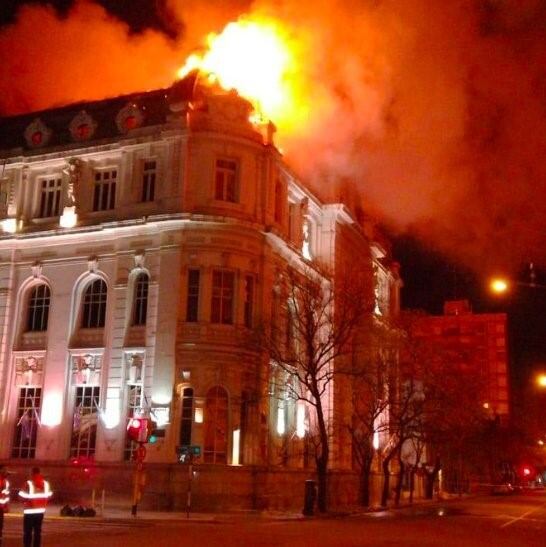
<point x="226" y="180"/>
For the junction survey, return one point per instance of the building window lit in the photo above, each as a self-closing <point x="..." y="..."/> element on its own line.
<point x="38" y="309"/>
<point x="104" y="193"/>
<point x="216" y="426"/>
<point x="94" y="305"/>
<point x="141" y="299"/>
<point x="192" y="304"/>
<point x="249" y="300"/>
<point x="226" y="175"/>
<point x="84" y="423"/>
<point x="134" y="403"/>
<point x="222" y="296"/>
<point x="149" y="174"/>
<point x="187" y="417"/>
<point x="50" y="198"/>
<point x="26" y="428"/>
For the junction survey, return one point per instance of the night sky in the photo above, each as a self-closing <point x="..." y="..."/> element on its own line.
<point x="446" y="140"/>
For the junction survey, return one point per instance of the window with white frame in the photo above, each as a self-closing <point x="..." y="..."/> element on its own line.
<point x="134" y="404"/>
<point x="222" y="296"/>
<point x="216" y="426"/>
<point x="186" y="419"/>
<point x="140" y="308"/>
<point x="149" y="175"/>
<point x="26" y="428"/>
<point x="226" y="180"/>
<point x="192" y="304"/>
<point x="94" y="305"/>
<point x="50" y="197"/>
<point x="104" y="191"/>
<point x="85" y="420"/>
<point x="249" y="301"/>
<point x="38" y="309"/>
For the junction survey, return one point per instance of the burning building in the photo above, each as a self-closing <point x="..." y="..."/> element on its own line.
<point x="143" y="239"/>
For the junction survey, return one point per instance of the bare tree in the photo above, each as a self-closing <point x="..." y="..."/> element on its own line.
<point x="321" y="314"/>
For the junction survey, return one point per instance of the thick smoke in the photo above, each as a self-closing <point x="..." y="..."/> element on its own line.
<point x="431" y="113"/>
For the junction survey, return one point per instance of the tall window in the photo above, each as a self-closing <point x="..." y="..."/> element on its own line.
<point x="141" y="299"/>
<point x="149" y="174"/>
<point x="226" y="180"/>
<point x="278" y="202"/>
<point x="104" y="196"/>
<point x="222" y="297"/>
<point x="292" y="214"/>
<point x="187" y="417"/>
<point x="50" y="198"/>
<point x="94" y="305"/>
<point x="192" y="305"/>
<point x="216" y="424"/>
<point x="134" y="403"/>
<point x="249" y="300"/>
<point x="38" y="309"/>
<point x="84" y="425"/>
<point x="26" y="428"/>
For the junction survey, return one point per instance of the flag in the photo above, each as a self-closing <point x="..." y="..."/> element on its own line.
<point x="77" y="418"/>
<point x="26" y="425"/>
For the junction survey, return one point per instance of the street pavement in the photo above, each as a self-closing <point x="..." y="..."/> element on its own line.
<point x="517" y="520"/>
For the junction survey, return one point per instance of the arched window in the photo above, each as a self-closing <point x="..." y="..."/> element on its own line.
<point x="38" y="309"/>
<point x="94" y="305"/>
<point x="216" y="424"/>
<point x="141" y="299"/>
<point x="187" y="417"/>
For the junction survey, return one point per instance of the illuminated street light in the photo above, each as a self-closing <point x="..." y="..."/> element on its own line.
<point x="498" y="285"/>
<point x="541" y="380"/>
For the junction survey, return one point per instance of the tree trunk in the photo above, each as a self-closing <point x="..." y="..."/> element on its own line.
<point x="386" y="481"/>
<point x="411" y="483"/>
<point x="322" y="460"/>
<point x="365" y="473"/>
<point x="430" y="479"/>
<point x="400" y="478"/>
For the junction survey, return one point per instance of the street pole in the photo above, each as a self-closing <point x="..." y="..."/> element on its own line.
<point x="190" y="479"/>
<point x="138" y="477"/>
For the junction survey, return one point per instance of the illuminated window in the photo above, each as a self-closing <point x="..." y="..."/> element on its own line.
<point x="134" y="403"/>
<point x="226" y="174"/>
<point x="149" y="174"/>
<point x="222" y="297"/>
<point x="216" y="423"/>
<point x="50" y="198"/>
<point x="187" y="417"/>
<point x="141" y="299"/>
<point x="26" y="428"/>
<point x="249" y="300"/>
<point x="192" y="304"/>
<point x="38" y="309"/>
<point x="84" y="423"/>
<point x="94" y="305"/>
<point x="104" y="194"/>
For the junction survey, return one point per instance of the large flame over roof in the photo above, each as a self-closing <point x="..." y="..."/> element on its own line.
<point x="257" y="57"/>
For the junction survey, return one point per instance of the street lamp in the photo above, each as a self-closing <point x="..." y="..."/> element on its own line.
<point x="498" y="285"/>
<point x="541" y="380"/>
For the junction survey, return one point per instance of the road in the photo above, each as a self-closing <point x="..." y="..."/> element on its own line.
<point x="499" y="521"/>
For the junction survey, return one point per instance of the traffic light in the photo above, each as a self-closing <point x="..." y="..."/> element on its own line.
<point x="138" y="429"/>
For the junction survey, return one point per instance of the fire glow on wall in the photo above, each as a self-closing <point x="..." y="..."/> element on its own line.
<point x="52" y="409"/>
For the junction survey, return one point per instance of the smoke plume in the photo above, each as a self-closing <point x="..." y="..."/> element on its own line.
<point x="429" y="113"/>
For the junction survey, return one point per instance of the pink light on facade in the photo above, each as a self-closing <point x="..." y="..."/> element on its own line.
<point x="52" y="409"/>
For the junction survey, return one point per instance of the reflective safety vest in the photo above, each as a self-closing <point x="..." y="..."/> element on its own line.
<point x="4" y="495"/>
<point x="35" y="498"/>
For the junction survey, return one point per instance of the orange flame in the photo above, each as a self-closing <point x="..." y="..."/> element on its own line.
<point x="256" y="57"/>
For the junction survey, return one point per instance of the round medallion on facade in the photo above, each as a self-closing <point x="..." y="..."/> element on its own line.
<point x="37" y="134"/>
<point x="129" y="117"/>
<point x="82" y="127"/>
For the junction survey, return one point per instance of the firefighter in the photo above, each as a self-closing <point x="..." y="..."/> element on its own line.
<point x="35" y="494"/>
<point x="4" y="498"/>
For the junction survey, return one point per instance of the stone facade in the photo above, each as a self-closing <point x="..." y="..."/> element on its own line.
<point x="143" y="238"/>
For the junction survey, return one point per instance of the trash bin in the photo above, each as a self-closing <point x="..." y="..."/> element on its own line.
<point x="310" y="497"/>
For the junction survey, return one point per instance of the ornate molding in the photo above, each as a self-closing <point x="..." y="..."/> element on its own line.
<point x="86" y="368"/>
<point x="82" y="127"/>
<point x="134" y="365"/>
<point x="36" y="269"/>
<point x="29" y="369"/>
<point x="129" y="117"/>
<point x="37" y="133"/>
